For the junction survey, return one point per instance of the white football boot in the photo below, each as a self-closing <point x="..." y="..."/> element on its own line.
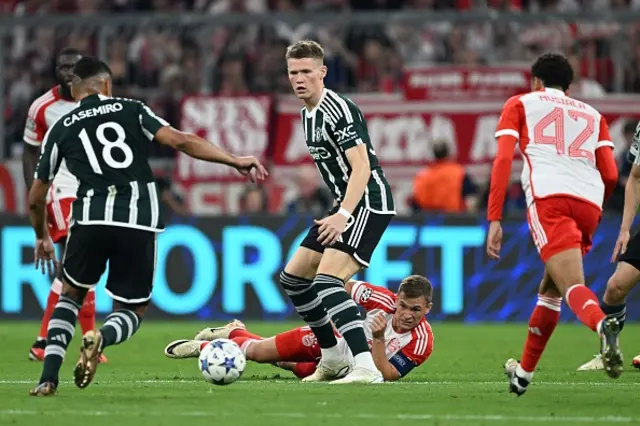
<point x="517" y="382"/>
<point x="333" y="368"/>
<point x="594" y="365"/>
<point x="210" y="334"/>
<point x="361" y="375"/>
<point x="329" y="370"/>
<point x="179" y="349"/>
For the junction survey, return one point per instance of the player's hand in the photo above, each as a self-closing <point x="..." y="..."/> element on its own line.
<point x="331" y="227"/>
<point x="378" y="326"/>
<point x="494" y="240"/>
<point x="621" y="244"/>
<point x="251" y="167"/>
<point x="45" y="256"/>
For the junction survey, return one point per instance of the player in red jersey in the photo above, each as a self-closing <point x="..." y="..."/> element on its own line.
<point x="568" y="171"/>
<point x="397" y="331"/>
<point x="43" y="112"/>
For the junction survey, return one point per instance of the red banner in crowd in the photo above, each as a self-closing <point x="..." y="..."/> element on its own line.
<point x="456" y="82"/>
<point x="402" y="132"/>
<point x="241" y="125"/>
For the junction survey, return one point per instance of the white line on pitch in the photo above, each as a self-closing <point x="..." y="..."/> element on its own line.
<point x="296" y="415"/>
<point x="293" y="381"/>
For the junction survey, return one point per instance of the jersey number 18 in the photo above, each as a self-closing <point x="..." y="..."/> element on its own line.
<point x="107" y="147"/>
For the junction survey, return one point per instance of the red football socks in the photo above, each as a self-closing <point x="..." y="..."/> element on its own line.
<point x="542" y="322"/>
<point x="242" y="332"/>
<point x="87" y="315"/>
<point x="584" y="303"/>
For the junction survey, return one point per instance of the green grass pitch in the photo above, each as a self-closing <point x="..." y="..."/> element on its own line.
<point x="461" y="384"/>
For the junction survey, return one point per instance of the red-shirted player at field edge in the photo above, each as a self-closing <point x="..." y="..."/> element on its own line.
<point x="43" y="112"/>
<point x="395" y="326"/>
<point x="568" y="171"/>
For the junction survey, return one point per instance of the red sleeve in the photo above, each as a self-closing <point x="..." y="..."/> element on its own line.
<point x="508" y="134"/>
<point x="604" y="138"/>
<point x="605" y="159"/>
<point x="371" y="297"/>
<point x="606" y="164"/>
<point x="421" y="345"/>
<point x="36" y="126"/>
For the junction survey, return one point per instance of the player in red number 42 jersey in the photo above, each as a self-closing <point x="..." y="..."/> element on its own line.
<point x="397" y="331"/>
<point x="568" y="171"/>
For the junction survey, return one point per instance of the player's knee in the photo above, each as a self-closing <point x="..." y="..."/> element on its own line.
<point x="303" y="265"/>
<point x="616" y="291"/>
<point x="255" y="353"/>
<point x="339" y="264"/>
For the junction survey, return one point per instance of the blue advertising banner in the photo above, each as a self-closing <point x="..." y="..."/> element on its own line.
<point x="222" y="268"/>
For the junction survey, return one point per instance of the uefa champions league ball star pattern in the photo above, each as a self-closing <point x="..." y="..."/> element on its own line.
<point x="222" y="362"/>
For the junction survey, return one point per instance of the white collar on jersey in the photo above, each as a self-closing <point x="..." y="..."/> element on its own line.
<point x="310" y="113"/>
<point x="555" y="92"/>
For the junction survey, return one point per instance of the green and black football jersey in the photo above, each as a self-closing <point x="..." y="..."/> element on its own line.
<point x="331" y="128"/>
<point x="105" y="143"/>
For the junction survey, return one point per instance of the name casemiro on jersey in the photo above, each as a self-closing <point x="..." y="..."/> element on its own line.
<point x="93" y="112"/>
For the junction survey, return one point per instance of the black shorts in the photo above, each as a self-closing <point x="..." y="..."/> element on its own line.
<point x="359" y="240"/>
<point x="632" y="255"/>
<point x="131" y="254"/>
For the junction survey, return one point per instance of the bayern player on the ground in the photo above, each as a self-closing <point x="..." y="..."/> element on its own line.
<point x="395" y="326"/>
<point x="43" y="112"/>
<point x="568" y="171"/>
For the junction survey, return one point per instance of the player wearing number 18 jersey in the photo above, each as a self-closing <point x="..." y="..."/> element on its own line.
<point x="568" y="172"/>
<point x="105" y="143"/>
<point x="43" y="112"/>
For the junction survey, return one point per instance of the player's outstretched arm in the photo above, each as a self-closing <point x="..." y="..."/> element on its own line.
<point x="197" y="147"/>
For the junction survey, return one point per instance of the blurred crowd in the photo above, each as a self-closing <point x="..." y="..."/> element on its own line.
<point x="159" y="64"/>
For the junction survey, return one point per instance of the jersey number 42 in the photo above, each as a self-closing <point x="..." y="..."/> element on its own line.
<point x="557" y="117"/>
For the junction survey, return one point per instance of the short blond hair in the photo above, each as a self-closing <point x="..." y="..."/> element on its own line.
<point x="305" y="49"/>
<point x="415" y="286"/>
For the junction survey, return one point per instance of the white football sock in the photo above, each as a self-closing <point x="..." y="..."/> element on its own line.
<point x="333" y="354"/>
<point x="365" y="360"/>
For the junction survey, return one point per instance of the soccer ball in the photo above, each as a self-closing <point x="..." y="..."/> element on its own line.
<point x="221" y="362"/>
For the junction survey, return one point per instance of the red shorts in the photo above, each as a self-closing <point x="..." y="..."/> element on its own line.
<point x="298" y="345"/>
<point x="58" y="215"/>
<point x="558" y="224"/>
